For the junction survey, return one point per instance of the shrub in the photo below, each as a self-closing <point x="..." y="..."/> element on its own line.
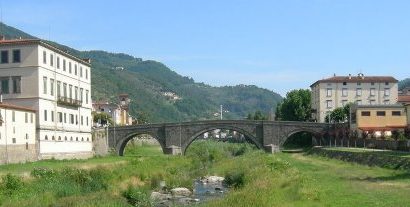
<point x="40" y="172"/>
<point x="11" y="184"/>
<point x="235" y="179"/>
<point x="136" y="197"/>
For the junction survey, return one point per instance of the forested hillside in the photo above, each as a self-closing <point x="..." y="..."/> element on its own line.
<point x="159" y="94"/>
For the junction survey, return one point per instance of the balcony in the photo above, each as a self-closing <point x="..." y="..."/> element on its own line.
<point x="65" y="101"/>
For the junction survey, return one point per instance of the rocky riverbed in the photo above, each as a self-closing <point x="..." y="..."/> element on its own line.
<point x="204" y="189"/>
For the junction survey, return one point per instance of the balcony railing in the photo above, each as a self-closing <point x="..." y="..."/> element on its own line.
<point x="68" y="102"/>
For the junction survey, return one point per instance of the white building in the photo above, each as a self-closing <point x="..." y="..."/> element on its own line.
<point x="57" y="85"/>
<point x="337" y="91"/>
<point x="17" y="134"/>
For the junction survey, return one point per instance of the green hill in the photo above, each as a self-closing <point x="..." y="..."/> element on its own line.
<point x="160" y="94"/>
<point x="404" y="83"/>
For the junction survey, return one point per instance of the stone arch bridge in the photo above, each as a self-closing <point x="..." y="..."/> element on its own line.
<point x="175" y="138"/>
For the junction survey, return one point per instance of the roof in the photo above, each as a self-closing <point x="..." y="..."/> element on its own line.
<point x="44" y="44"/>
<point x="11" y="106"/>
<point x="356" y="79"/>
<point x="404" y="99"/>
<point x="378" y="106"/>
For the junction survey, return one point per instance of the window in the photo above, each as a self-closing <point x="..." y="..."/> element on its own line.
<point x="58" y="62"/>
<point x="344" y="83"/>
<point x="31" y="118"/>
<point x="365" y="113"/>
<point x="396" y="113"/>
<point x="65" y="90"/>
<point x="63" y="64"/>
<point x="26" y="117"/>
<point x="69" y="67"/>
<point x="44" y="57"/>
<point x="4" y="56"/>
<point x="372" y="92"/>
<point x="71" y="119"/>
<point x="386" y="83"/>
<point x="76" y="93"/>
<point x="358" y="83"/>
<point x="82" y="123"/>
<point x="358" y="92"/>
<point x="65" y="116"/>
<point x="5" y="85"/>
<point x="329" y="104"/>
<point x="26" y="145"/>
<point x="45" y="115"/>
<point x="16" y="84"/>
<point x="75" y="70"/>
<point x="60" y="117"/>
<point x="52" y="116"/>
<point x="13" y="116"/>
<point x="14" y="140"/>
<point x="16" y="56"/>
<point x="86" y="121"/>
<point x="372" y="102"/>
<point x="52" y="87"/>
<point x="76" y="139"/>
<point x="51" y="60"/>
<point x="86" y="97"/>
<point x="387" y="92"/>
<point x="81" y="95"/>
<point x="58" y="88"/>
<point x="45" y="85"/>
<point x="381" y="113"/>
<point x="81" y="71"/>
<point x="46" y="137"/>
<point x="359" y="102"/>
<point x="344" y="92"/>
<point x="53" y="138"/>
<point x="76" y="119"/>
<point x="26" y="136"/>
<point x="372" y="83"/>
<point x="70" y="91"/>
<point x="86" y="74"/>
<point x="329" y="92"/>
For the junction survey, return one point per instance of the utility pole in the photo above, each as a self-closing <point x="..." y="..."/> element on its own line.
<point x="221" y="111"/>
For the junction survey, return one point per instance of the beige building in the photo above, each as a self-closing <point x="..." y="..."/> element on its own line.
<point x="378" y="119"/>
<point x="17" y="134"/>
<point x="57" y="85"/>
<point x="118" y="112"/>
<point x="337" y="91"/>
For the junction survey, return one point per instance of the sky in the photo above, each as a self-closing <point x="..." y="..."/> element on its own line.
<point x="278" y="45"/>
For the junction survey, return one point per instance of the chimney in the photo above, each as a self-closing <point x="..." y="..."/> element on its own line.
<point x="350" y="76"/>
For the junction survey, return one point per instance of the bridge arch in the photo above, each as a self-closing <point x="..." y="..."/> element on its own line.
<point x="314" y="133"/>
<point x="123" y="142"/>
<point x="249" y="136"/>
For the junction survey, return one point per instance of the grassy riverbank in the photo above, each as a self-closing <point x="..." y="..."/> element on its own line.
<point x="258" y="179"/>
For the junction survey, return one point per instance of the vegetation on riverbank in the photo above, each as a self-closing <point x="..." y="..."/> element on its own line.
<point x="256" y="178"/>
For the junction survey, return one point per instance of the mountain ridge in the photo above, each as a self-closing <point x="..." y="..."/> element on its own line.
<point x="158" y="93"/>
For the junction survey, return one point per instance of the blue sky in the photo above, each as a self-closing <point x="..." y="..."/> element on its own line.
<point x="279" y="45"/>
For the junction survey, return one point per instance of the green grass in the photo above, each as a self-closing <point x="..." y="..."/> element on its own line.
<point x="371" y="151"/>
<point x="261" y="179"/>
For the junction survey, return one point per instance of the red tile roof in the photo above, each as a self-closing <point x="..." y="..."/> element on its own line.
<point x="357" y="79"/>
<point x="404" y="99"/>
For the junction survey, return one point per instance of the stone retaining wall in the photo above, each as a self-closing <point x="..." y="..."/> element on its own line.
<point x="18" y="153"/>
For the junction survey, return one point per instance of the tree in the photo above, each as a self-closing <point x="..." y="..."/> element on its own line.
<point x="102" y="118"/>
<point x="339" y="114"/>
<point x="257" y="116"/>
<point x="295" y="106"/>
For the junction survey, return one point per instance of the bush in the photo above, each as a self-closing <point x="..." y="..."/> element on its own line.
<point x="235" y="179"/>
<point x="11" y="184"/>
<point x="40" y="172"/>
<point x="136" y="197"/>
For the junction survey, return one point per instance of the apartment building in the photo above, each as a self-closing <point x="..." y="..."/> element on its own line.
<point x="119" y="112"/>
<point x="337" y="91"/>
<point x="378" y="120"/>
<point x="17" y="134"/>
<point x="57" y="86"/>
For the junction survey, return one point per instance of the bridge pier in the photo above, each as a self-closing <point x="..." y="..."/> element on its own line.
<point x="173" y="150"/>
<point x="271" y="148"/>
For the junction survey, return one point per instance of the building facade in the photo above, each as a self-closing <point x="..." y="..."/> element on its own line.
<point x="118" y="112"/>
<point x="57" y="86"/>
<point x="337" y="91"/>
<point x="17" y="134"/>
<point x="378" y="120"/>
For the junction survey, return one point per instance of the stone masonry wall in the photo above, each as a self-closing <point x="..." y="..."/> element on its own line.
<point x="18" y="154"/>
